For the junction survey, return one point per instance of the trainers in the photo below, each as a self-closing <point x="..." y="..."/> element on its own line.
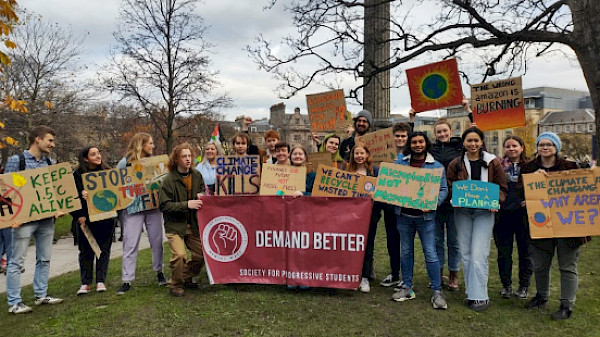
<point x="100" y="287"/>
<point x="399" y="286"/>
<point x="19" y="308"/>
<point x="438" y="300"/>
<point x="123" y="289"/>
<point x="479" y="305"/>
<point x="47" y="300"/>
<point x="404" y="294"/>
<point x="390" y="281"/>
<point x="536" y="302"/>
<point x="162" y="281"/>
<point x="364" y="286"/>
<point x="562" y="313"/>
<point x="521" y="293"/>
<point x="506" y="292"/>
<point x="84" y="289"/>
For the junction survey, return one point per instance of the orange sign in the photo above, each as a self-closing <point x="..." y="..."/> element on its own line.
<point x="434" y="86"/>
<point x="327" y="111"/>
<point x="498" y="105"/>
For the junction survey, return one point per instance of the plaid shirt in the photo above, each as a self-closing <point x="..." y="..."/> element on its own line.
<point x="12" y="165"/>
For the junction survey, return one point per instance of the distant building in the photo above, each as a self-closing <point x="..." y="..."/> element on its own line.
<point x="580" y="121"/>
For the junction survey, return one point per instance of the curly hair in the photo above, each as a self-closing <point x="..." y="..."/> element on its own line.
<point x="174" y="156"/>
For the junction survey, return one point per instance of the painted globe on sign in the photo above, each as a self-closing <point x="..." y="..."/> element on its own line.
<point x="434" y="86"/>
<point x="539" y="217"/>
<point x="104" y="200"/>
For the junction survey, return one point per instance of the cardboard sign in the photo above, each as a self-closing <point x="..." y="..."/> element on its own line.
<point x="434" y="86"/>
<point x="409" y="187"/>
<point x="498" y="105"/>
<point x="237" y="175"/>
<point x="37" y="194"/>
<point x="331" y="182"/>
<point x="282" y="179"/>
<point x="135" y="188"/>
<point x="316" y="158"/>
<point x="327" y="111"/>
<point x="563" y="204"/>
<point x="475" y="194"/>
<point x="283" y="240"/>
<point x="381" y="144"/>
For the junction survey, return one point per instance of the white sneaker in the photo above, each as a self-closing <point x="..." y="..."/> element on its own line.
<point x="389" y="281"/>
<point x="364" y="286"/>
<point x="19" y="308"/>
<point x="100" y="287"/>
<point x="47" y="300"/>
<point x="84" y="289"/>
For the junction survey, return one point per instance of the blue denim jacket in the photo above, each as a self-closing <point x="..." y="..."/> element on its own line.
<point x="430" y="163"/>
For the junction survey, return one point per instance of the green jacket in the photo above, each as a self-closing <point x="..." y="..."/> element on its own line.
<point x="173" y="202"/>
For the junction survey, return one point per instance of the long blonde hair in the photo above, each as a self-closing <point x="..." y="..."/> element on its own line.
<point x="137" y="142"/>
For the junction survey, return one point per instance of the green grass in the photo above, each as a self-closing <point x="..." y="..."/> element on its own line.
<point x="62" y="227"/>
<point x="267" y="310"/>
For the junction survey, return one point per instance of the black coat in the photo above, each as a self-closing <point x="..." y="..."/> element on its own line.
<point x="446" y="152"/>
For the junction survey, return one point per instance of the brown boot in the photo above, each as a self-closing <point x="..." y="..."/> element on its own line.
<point x="453" y="281"/>
<point x="443" y="279"/>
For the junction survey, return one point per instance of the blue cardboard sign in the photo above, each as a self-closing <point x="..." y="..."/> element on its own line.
<point x="475" y="194"/>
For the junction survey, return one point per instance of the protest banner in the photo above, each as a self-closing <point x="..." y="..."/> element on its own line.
<point x="37" y="194"/>
<point x="316" y="158"/>
<point x="563" y="204"/>
<point x="381" y="144"/>
<point x="409" y="187"/>
<point x="475" y="194"/>
<point x="135" y="187"/>
<point x="331" y="182"/>
<point x="282" y="179"/>
<point x="237" y="175"/>
<point x="276" y="240"/>
<point x="327" y="111"/>
<point x="498" y="105"/>
<point x="434" y="86"/>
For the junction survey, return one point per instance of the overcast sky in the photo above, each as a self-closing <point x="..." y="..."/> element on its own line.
<point x="233" y="25"/>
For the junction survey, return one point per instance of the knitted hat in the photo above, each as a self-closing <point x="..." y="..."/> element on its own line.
<point x="551" y="136"/>
<point x="366" y="114"/>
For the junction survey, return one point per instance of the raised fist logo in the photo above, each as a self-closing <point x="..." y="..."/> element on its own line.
<point x="225" y="239"/>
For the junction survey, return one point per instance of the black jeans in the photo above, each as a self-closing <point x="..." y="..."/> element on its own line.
<point x="392" y="235"/>
<point x="103" y="233"/>
<point x="512" y="225"/>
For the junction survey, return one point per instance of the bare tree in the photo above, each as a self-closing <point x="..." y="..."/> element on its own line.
<point x="495" y="37"/>
<point x="161" y="62"/>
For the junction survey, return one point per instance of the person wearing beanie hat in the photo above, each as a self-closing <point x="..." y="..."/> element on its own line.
<point x="362" y="124"/>
<point x="551" y="136"/>
<point x="543" y="250"/>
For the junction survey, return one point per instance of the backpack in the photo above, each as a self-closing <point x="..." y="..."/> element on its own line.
<point x="22" y="161"/>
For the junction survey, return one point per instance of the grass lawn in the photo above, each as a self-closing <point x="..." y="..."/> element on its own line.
<point x="267" y="310"/>
<point x="62" y="227"/>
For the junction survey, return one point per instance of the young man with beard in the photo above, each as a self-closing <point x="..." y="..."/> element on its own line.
<point x="41" y="142"/>
<point x="179" y="193"/>
<point x="362" y="124"/>
<point x="412" y="221"/>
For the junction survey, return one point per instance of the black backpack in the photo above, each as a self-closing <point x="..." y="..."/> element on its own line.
<point x="22" y="161"/>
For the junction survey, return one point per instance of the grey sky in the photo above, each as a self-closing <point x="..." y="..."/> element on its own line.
<point x="233" y="25"/>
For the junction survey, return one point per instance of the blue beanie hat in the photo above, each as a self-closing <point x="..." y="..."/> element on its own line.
<point x="551" y="136"/>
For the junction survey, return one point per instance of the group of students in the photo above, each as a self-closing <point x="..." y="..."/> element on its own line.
<point x="461" y="234"/>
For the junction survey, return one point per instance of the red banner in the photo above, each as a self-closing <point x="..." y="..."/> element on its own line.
<point x="305" y="241"/>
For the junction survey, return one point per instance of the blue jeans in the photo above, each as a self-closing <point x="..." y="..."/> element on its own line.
<point x="408" y="227"/>
<point x="6" y="243"/>
<point x="445" y="235"/>
<point x="474" y="230"/>
<point x="43" y="233"/>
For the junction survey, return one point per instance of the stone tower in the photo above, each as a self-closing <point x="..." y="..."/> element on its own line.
<point x="376" y="93"/>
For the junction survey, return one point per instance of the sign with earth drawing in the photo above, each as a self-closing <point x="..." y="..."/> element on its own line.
<point x="135" y="188"/>
<point x="434" y="86"/>
<point x="37" y="194"/>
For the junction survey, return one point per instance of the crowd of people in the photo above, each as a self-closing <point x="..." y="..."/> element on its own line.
<point x="448" y="234"/>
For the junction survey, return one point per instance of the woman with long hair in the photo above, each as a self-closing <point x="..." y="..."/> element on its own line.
<point x="331" y="144"/>
<point x="361" y="163"/>
<point x="299" y="157"/>
<point x="132" y="221"/>
<point x="474" y="226"/>
<point x="512" y="222"/>
<point x="207" y="167"/>
<point x="90" y="160"/>
<point x="542" y="250"/>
